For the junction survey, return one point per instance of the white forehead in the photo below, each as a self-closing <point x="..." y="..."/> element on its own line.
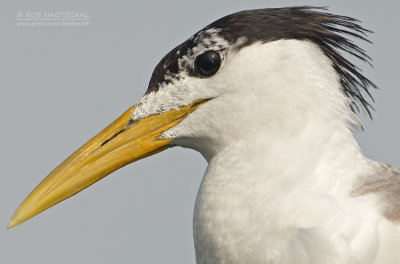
<point x="181" y="89"/>
<point x="173" y="95"/>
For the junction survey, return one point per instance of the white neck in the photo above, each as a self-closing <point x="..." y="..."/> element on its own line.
<point x="253" y="206"/>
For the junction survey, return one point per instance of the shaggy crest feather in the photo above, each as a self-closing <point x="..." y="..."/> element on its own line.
<point x="330" y="32"/>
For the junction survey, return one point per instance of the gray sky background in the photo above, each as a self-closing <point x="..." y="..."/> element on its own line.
<point x="61" y="85"/>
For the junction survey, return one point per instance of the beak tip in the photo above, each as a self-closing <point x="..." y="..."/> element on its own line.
<point x="13" y="222"/>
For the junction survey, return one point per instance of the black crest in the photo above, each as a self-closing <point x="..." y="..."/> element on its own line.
<point x="332" y="33"/>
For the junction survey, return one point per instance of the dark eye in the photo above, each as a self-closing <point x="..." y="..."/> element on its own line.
<point x="208" y="63"/>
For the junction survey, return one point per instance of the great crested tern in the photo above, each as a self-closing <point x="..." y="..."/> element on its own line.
<point x="268" y="99"/>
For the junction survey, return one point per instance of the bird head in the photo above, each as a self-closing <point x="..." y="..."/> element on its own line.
<point x="266" y="69"/>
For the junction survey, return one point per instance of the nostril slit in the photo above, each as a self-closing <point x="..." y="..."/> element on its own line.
<point x="131" y="122"/>
<point x="116" y="134"/>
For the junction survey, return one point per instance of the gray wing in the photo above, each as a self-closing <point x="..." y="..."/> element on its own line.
<point x="384" y="181"/>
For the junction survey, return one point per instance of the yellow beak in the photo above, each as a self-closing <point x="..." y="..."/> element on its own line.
<point x="122" y="142"/>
